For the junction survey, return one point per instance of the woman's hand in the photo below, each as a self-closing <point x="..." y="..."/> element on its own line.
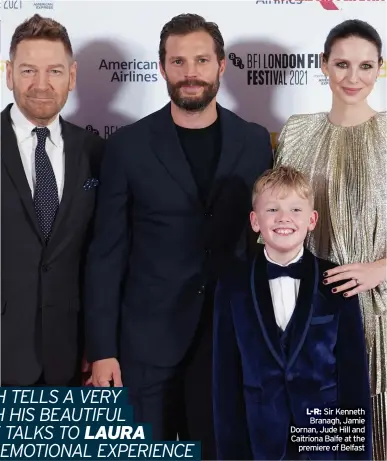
<point x="360" y="277"/>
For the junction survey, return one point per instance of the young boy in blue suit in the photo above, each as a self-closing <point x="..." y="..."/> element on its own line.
<point x="289" y="355"/>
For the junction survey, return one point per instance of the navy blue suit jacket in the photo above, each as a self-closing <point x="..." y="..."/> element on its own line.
<point x="158" y="247"/>
<point x="259" y="390"/>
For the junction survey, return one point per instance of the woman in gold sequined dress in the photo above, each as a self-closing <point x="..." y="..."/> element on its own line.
<point x="344" y="153"/>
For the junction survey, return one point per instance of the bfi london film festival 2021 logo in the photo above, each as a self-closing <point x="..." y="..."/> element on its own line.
<point x="133" y="72"/>
<point x="278" y="69"/>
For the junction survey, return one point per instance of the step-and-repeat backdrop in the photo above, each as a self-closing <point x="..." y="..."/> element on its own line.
<point x="116" y="46"/>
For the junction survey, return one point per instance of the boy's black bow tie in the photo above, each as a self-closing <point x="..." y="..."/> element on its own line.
<point x="293" y="270"/>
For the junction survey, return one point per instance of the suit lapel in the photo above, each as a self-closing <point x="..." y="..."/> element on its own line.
<point x="231" y="146"/>
<point x="304" y="306"/>
<point x="260" y="290"/>
<point x="12" y="161"/>
<point x="166" y="145"/>
<point x="72" y="152"/>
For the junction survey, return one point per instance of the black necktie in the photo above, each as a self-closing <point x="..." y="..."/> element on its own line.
<point x="293" y="270"/>
<point x="46" y="198"/>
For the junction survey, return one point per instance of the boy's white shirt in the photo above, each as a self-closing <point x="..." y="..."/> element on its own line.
<point x="284" y="293"/>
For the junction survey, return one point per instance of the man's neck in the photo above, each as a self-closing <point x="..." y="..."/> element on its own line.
<point x="194" y="120"/>
<point x="282" y="257"/>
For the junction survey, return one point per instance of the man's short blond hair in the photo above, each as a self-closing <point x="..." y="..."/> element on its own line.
<point x="285" y="179"/>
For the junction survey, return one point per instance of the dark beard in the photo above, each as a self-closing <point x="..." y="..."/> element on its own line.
<point x="193" y="104"/>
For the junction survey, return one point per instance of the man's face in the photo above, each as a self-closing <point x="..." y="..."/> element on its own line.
<point x="41" y="76"/>
<point x="192" y="70"/>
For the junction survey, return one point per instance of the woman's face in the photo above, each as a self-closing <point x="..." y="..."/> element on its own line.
<point x="352" y="69"/>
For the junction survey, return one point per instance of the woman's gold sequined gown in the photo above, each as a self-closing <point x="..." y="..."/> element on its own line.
<point x="347" y="168"/>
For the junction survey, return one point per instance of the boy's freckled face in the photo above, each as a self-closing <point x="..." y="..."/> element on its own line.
<point x="284" y="218"/>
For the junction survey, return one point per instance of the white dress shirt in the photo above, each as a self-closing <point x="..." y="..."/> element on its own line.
<point x="27" y="142"/>
<point x="284" y="293"/>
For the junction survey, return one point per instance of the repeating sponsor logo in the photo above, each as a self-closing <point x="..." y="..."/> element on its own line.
<point x="280" y="2"/>
<point x="11" y="4"/>
<point x="44" y="5"/>
<point x="330" y="5"/>
<point x="321" y="78"/>
<point x="135" y="71"/>
<point x="92" y="129"/>
<point x="108" y="130"/>
<point x="272" y="69"/>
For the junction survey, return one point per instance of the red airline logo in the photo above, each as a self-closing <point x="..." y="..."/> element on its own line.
<point x="332" y="5"/>
<point x="328" y="5"/>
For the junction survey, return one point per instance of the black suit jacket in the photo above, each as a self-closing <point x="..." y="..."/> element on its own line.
<point x="40" y="292"/>
<point x="157" y="248"/>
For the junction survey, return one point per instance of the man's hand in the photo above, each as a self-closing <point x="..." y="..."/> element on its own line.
<point x="104" y="371"/>
<point x="86" y="371"/>
<point x="86" y="366"/>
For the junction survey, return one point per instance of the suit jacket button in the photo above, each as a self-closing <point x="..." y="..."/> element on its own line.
<point x="201" y="290"/>
<point x="45" y="268"/>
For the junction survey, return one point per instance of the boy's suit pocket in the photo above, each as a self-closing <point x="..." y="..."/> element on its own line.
<point x="321" y="319"/>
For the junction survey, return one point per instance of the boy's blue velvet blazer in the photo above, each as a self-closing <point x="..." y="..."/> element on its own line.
<point x="260" y="388"/>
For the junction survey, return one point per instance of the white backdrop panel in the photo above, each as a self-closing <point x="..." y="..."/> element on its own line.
<point x="126" y="35"/>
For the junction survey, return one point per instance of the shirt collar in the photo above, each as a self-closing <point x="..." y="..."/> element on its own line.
<point x="298" y="256"/>
<point x="24" y="127"/>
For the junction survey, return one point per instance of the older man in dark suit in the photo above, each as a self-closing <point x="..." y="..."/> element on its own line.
<point x="48" y="173"/>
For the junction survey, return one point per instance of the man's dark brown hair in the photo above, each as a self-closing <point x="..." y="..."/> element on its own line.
<point x="40" y="28"/>
<point x="185" y="24"/>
